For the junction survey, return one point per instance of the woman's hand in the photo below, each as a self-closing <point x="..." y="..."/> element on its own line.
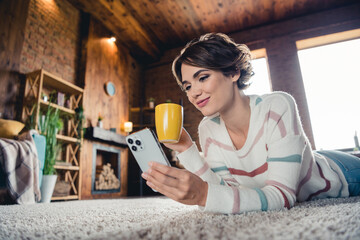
<point x="184" y="143"/>
<point x="177" y="184"/>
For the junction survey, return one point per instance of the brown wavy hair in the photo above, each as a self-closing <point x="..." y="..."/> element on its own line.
<point x="218" y="52"/>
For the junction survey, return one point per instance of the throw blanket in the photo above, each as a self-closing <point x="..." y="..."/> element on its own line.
<point x="19" y="161"/>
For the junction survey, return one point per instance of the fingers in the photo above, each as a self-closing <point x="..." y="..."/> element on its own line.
<point x="165" y="185"/>
<point x="169" y="171"/>
<point x="161" y="187"/>
<point x="185" y="138"/>
<point x="164" y="179"/>
<point x="177" y="184"/>
<point x="184" y="143"/>
<point x="152" y="175"/>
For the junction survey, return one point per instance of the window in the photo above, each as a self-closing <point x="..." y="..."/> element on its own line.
<point x="260" y="82"/>
<point x="331" y="75"/>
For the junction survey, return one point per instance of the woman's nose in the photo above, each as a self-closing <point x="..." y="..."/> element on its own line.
<point x="195" y="91"/>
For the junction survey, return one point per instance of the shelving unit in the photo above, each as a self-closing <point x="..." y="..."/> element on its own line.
<point x="142" y="112"/>
<point x="41" y="82"/>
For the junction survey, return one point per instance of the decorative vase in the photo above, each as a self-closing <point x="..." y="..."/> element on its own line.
<point x="47" y="187"/>
<point x="100" y="124"/>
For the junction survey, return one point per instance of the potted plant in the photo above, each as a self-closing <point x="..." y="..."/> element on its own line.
<point x="99" y="122"/>
<point x="151" y="101"/>
<point x="49" y="125"/>
<point x="80" y="117"/>
<point x="44" y="97"/>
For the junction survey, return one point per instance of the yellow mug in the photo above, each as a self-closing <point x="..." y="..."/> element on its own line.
<point x="168" y="122"/>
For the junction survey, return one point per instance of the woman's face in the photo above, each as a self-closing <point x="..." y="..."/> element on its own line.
<point x="208" y="90"/>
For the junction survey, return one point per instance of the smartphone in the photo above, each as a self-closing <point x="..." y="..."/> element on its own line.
<point x="146" y="148"/>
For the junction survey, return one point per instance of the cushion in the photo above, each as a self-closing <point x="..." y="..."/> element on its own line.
<point x="10" y="128"/>
<point x="40" y="143"/>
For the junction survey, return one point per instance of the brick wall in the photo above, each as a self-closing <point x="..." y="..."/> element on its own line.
<point x="51" y="39"/>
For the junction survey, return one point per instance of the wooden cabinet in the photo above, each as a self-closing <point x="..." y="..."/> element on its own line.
<point x="39" y="84"/>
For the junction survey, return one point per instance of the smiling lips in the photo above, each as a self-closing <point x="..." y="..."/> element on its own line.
<point x="203" y="102"/>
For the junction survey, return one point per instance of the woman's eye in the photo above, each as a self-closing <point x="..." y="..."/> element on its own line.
<point x="187" y="88"/>
<point x="203" y="78"/>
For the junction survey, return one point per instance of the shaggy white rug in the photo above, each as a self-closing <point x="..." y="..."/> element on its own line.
<point x="162" y="218"/>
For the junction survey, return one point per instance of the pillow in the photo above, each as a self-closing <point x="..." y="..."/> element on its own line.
<point x="10" y="128"/>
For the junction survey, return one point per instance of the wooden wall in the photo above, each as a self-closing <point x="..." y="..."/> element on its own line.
<point x="279" y="39"/>
<point x="13" y="15"/>
<point x="106" y="61"/>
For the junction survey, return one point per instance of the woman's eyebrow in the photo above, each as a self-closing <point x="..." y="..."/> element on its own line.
<point x="198" y="72"/>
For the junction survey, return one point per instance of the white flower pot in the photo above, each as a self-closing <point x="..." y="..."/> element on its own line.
<point x="100" y="124"/>
<point x="47" y="187"/>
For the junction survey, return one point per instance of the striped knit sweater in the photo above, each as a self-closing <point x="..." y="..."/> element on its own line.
<point x="275" y="168"/>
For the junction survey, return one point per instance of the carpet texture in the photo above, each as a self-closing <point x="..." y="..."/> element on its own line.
<point x="163" y="218"/>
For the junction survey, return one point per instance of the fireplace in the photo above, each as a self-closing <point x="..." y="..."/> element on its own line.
<point x="105" y="170"/>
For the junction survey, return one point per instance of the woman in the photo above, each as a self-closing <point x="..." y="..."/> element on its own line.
<point x="256" y="155"/>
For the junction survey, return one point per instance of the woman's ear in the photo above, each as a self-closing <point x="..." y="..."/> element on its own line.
<point x="235" y="76"/>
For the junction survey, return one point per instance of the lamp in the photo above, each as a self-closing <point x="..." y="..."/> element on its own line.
<point x="128" y="127"/>
<point x="113" y="39"/>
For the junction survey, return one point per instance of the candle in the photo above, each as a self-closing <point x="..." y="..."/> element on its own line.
<point x="128" y="126"/>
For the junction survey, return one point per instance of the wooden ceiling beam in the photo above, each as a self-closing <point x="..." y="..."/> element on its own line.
<point x="119" y="20"/>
